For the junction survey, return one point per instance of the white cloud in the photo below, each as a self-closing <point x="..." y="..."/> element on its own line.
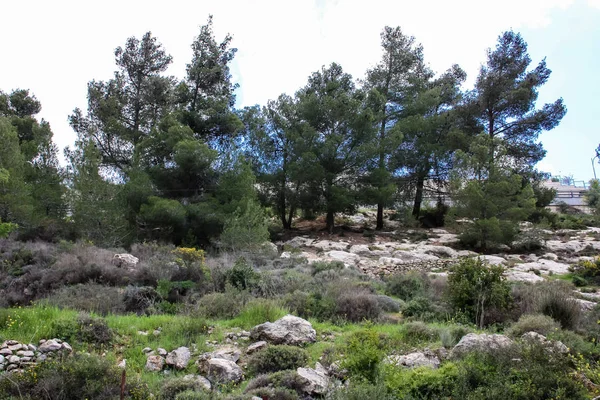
<point x="55" y="48"/>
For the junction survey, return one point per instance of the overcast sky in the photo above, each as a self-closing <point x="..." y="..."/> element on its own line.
<point x="55" y="47"/>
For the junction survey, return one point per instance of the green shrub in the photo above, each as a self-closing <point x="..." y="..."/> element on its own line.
<point x="195" y="395"/>
<point x="588" y="270"/>
<point x="421" y="383"/>
<point x="361" y="391"/>
<point x="488" y="234"/>
<point x="418" y="331"/>
<point x="499" y="377"/>
<point x="357" y="305"/>
<point x="221" y="305"/>
<point x="286" y="379"/>
<point x="258" y="311"/>
<point x="388" y="304"/>
<point x="171" y="388"/>
<point x="475" y="288"/>
<point x="562" y="308"/>
<point x="242" y="276"/>
<point x="277" y="358"/>
<point x="418" y="307"/>
<point x="85" y="329"/>
<point x="320" y="266"/>
<point x="139" y="299"/>
<point x="539" y="323"/>
<point x="79" y="376"/>
<point x="408" y="285"/>
<point x="364" y="352"/>
<point x="89" y="297"/>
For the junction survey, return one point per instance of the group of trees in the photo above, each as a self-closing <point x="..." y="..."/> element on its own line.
<point x="162" y="158"/>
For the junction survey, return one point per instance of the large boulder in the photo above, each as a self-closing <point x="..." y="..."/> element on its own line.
<point x="549" y="345"/>
<point x="480" y="343"/>
<point x="179" y="358"/>
<point x="327" y="245"/>
<point x="520" y="276"/>
<point x="287" y="330"/>
<point x="316" y="380"/>
<point x="343" y="256"/>
<point x="220" y="370"/>
<point x="125" y="260"/>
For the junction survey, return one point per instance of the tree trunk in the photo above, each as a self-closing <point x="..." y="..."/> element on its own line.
<point x="330" y="221"/>
<point x="379" y="216"/>
<point x="418" y="196"/>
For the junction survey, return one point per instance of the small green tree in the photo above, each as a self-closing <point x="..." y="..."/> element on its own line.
<point x="246" y="228"/>
<point x="474" y="287"/>
<point x="592" y="197"/>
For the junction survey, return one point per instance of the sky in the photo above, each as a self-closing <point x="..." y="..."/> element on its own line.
<point x="55" y="47"/>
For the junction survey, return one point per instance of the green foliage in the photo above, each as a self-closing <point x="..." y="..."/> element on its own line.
<point x="320" y="266"/>
<point x="6" y="228"/>
<point x="535" y="376"/>
<point x="78" y="376"/>
<point x="474" y="287"/>
<point x="407" y="286"/>
<point x="171" y="389"/>
<point x="539" y="323"/>
<point x="588" y="270"/>
<point x="242" y="276"/>
<point x="364" y="352"/>
<point x="592" y="196"/>
<point x="421" y="383"/>
<point x="246" y="228"/>
<point x="277" y="358"/>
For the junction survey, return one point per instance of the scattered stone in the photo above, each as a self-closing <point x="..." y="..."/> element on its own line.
<point x="550" y="345"/>
<point x="122" y="364"/>
<point x="179" y="358"/>
<point x="146" y="350"/>
<point x="343" y="256"/>
<point x="287" y="330"/>
<point x="50" y="345"/>
<point x="417" y="359"/>
<point x="162" y="352"/>
<point x="493" y="260"/>
<point x="585" y="305"/>
<point x="256" y="346"/>
<point x="520" y="276"/>
<point x="155" y="363"/>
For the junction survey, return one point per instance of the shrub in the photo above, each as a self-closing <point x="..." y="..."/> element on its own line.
<point x="418" y="307"/>
<point x="418" y="331"/>
<point x="562" y="308"/>
<point x="79" y="376"/>
<point x="171" y="388"/>
<point x="242" y="276"/>
<point x="139" y="299"/>
<point x="364" y="352"/>
<point x="84" y="328"/>
<point x="388" y="304"/>
<point x="221" y="305"/>
<point x="277" y="358"/>
<point x="357" y="305"/>
<point x="488" y="234"/>
<point x="421" y="383"/>
<point x="89" y="297"/>
<point x="535" y="376"/>
<point x="258" y="311"/>
<point x="407" y="285"/>
<point x="246" y="228"/>
<point x="588" y="270"/>
<point x="195" y="395"/>
<point x="320" y="266"/>
<point x="287" y="379"/>
<point x="361" y="391"/>
<point x="474" y="287"/>
<point x="451" y="336"/>
<point x="539" y="323"/>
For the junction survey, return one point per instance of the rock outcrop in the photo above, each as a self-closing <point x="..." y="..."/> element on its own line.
<point x="287" y="330"/>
